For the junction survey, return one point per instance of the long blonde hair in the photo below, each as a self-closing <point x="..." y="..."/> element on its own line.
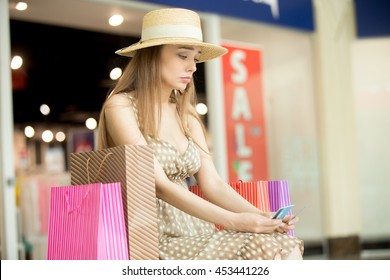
<point x="142" y="77"/>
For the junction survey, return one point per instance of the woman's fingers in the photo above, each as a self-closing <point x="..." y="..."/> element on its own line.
<point x="291" y="220"/>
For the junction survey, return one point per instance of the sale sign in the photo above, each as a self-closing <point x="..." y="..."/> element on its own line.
<point x="244" y="114"/>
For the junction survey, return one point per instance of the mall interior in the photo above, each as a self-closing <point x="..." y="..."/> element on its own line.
<point x="318" y="90"/>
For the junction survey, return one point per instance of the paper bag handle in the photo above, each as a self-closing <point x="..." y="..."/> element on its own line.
<point x="89" y="182"/>
<point x="78" y="206"/>
<point x="100" y="167"/>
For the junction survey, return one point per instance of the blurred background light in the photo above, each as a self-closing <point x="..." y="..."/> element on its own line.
<point x="29" y="131"/>
<point x="45" y="109"/>
<point x="115" y="73"/>
<point x="21" y="6"/>
<point x="201" y="108"/>
<point x="60" y="136"/>
<point x="16" y="62"/>
<point x="91" y="123"/>
<point x="115" y="20"/>
<point x="47" y="136"/>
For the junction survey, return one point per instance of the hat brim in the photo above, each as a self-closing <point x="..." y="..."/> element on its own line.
<point x="209" y="51"/>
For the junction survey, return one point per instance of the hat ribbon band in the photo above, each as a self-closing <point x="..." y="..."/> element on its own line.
<point x="172" y="31"/>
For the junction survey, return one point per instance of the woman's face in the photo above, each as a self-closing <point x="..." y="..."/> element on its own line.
<point x="178" y="64"/>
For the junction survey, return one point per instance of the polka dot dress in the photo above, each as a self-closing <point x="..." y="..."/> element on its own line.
<point x="184" y="237"/>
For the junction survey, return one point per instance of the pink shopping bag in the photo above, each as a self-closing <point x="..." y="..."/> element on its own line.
<point x="133" y="167"/>
<point x="86" y="222"/>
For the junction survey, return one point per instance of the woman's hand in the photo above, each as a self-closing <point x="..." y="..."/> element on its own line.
<point x="261" y="223"/>
<point x="252" y="222"/>
<point x="287" y="224"/>
<point x="268" y="214"/>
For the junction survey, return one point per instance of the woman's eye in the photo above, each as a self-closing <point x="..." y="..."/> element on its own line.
<point x="184" y="57"/>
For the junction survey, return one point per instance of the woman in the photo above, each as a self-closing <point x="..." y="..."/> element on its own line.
<point x="153" y="103"/>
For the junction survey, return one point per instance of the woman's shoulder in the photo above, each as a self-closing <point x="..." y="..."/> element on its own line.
<point x="120" y="104"/>
<point x="122" y="98"/>
<point x="192" y="120"/>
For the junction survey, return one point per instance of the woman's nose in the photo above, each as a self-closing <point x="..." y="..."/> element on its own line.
<point x="192" y="66"/>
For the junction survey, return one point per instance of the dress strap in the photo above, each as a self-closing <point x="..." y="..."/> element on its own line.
<point x="134" y="105"/>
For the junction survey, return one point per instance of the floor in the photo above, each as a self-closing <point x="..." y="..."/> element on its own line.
<point x="365" y="254"/>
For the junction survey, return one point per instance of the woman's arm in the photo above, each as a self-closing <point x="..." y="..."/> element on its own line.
<point x="219" y="192"/>
<point x="214" y="188"/>
<point x="123" y="129"/>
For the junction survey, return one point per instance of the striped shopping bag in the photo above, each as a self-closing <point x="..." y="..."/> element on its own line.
<point x="133" y="167"/>
<point x="268" y="196"/>
<point x="86" y="222"/>
<point x="264" y="202"/>
<point x="279" y="196"/>
<point x="255" y="192"/>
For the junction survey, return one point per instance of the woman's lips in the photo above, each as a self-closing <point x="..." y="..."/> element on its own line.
<point x="185" y="79"/>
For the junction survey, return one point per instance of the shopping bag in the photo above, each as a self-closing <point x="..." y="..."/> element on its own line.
<point x="197" y="190"/>
<point x="279" y="196"/>
<point x="268" y="196"/>
<point x="264" y="203"/>
<point x="254" y="192"/>
<point x="86" y="222"/>
<point x="133" y="167"/>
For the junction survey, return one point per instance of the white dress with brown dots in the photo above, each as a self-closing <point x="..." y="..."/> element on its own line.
<point x="184" y="237"/>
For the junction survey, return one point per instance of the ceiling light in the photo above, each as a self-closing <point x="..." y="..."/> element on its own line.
<point x="29" y="131"/>
<point x="115" y="73"/>
<point x="201" y="108"/>
<point x="47" y="136"/>
<point x="21" y="6"/>
<point x="91" y="123"/>
<point x="16" y="62"/>
<point x="60" y="136"/>
<point x="45" y="110"/>
<point x="115" y="20"/>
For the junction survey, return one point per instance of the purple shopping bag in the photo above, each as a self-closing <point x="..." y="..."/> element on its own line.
<point x="279" y="196"/>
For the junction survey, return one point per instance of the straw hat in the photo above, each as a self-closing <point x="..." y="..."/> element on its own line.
<point x="173" y="27"/>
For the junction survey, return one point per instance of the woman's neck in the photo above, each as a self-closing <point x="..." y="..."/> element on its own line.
<point x="166" y="95"/>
